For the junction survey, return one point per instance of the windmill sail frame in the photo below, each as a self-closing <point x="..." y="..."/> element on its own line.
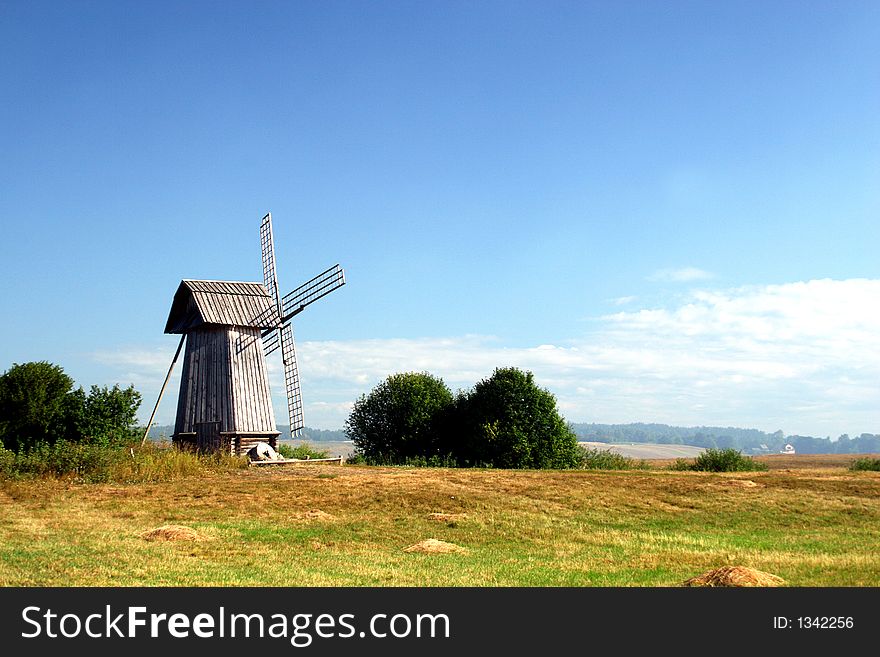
<point x="290" y="305"/>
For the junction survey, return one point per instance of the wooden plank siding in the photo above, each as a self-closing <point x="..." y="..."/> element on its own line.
<point x="224" y="398"/>
<point x="225" y="386"/>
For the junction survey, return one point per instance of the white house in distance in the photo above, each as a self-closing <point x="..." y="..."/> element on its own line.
<point x="788" y="449"/>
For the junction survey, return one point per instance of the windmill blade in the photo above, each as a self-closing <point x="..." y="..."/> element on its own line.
<point x="272" y="337"/>
<point x="307" y="293"/>
<point x="291" y="381"/>
<point x="267" y="246"/>
<point x="271" y="341"/>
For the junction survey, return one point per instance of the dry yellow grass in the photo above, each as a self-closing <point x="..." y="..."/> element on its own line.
<point x="345" y="526"/>
<point x="447" y="517"/>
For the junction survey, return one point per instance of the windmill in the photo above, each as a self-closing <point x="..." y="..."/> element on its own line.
<point x="229" y="328"/>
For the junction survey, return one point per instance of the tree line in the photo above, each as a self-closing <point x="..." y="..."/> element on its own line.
<point x="746" y="440"/>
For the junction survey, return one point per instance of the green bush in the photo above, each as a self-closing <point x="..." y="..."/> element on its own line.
<point x="507" y="421"/>
<point x="38" y="406"/>
<point x="866" y="464"/>
<point x="402" y="418"/>
<point x="34" y="401"/>
<point x="301" y="451"/>
<point x="7" y="463"/>
<point x="720" y="460"/>
<point x="682" y="464"/>
<point x="604" y="459"/>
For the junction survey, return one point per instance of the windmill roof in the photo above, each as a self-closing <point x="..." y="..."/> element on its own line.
<point x="227" y="303"/>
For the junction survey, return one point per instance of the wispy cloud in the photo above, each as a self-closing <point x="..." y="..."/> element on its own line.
<point x="802" y="357"/>
<point x="682" y="275"/>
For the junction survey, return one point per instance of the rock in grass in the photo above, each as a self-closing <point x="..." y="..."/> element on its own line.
<point x="735" y="576"/>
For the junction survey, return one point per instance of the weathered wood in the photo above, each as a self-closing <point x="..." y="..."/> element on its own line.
<point x="225" y="380"/>
<point x="222" y="303"/>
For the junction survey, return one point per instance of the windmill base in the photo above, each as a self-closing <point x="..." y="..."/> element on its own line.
<point x="236" y="443"/>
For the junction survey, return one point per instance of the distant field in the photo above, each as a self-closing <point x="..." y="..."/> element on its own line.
<point x="808" y="520"/>
<point x="334" y="448"/>
<point x="648" y="451"/>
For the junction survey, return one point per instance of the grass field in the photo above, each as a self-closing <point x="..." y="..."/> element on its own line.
<point x="808" y="520"/>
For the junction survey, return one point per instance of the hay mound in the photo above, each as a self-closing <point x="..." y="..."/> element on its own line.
<point x="171" y="533"/>
<point x="740" y="483"/>
<point x="433" y="546"/>
<point x="735" y="576"/>
<point x="447" y="517"/>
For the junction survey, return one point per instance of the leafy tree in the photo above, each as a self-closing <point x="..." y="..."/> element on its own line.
<point x="39" y="405"/>
<point x="105" y="415"/>
<point x="402" y="418"/>
<point x="33" y="404"/>
<point x="509" y="422"/>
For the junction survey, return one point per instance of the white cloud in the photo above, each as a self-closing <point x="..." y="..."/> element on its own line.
<point x="799" y="356"/>
<point x="682" y="275"/>
<point x="802" y="357"/>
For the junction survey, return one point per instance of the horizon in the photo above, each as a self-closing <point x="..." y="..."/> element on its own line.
<point x="667" y="213"/>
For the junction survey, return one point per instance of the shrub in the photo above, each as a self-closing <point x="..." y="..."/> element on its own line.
<point x="401" y="418"/>
<point x="682" y="464"/>
<point x="866" y="464"/>
<point x="720" y="460"/>
<point x="301" y="451"/>
<point x="39" y="406"/>
<point x="105" y="415"/>
<point x="604" y="459"/>
<point x="33" y="404"/>
<point x="509" y="422"/>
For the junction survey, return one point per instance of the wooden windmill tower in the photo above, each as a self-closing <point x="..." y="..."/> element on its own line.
<point x="229" y="328"/>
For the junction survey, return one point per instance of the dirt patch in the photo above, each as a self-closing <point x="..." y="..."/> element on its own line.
<point x="171" y="533"/>
<point x="447" y="517"/>
<point x="735" y="576"/>
<point x="433" y="546"/>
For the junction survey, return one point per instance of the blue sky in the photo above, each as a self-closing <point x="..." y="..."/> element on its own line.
<point x="668" y="211"/>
